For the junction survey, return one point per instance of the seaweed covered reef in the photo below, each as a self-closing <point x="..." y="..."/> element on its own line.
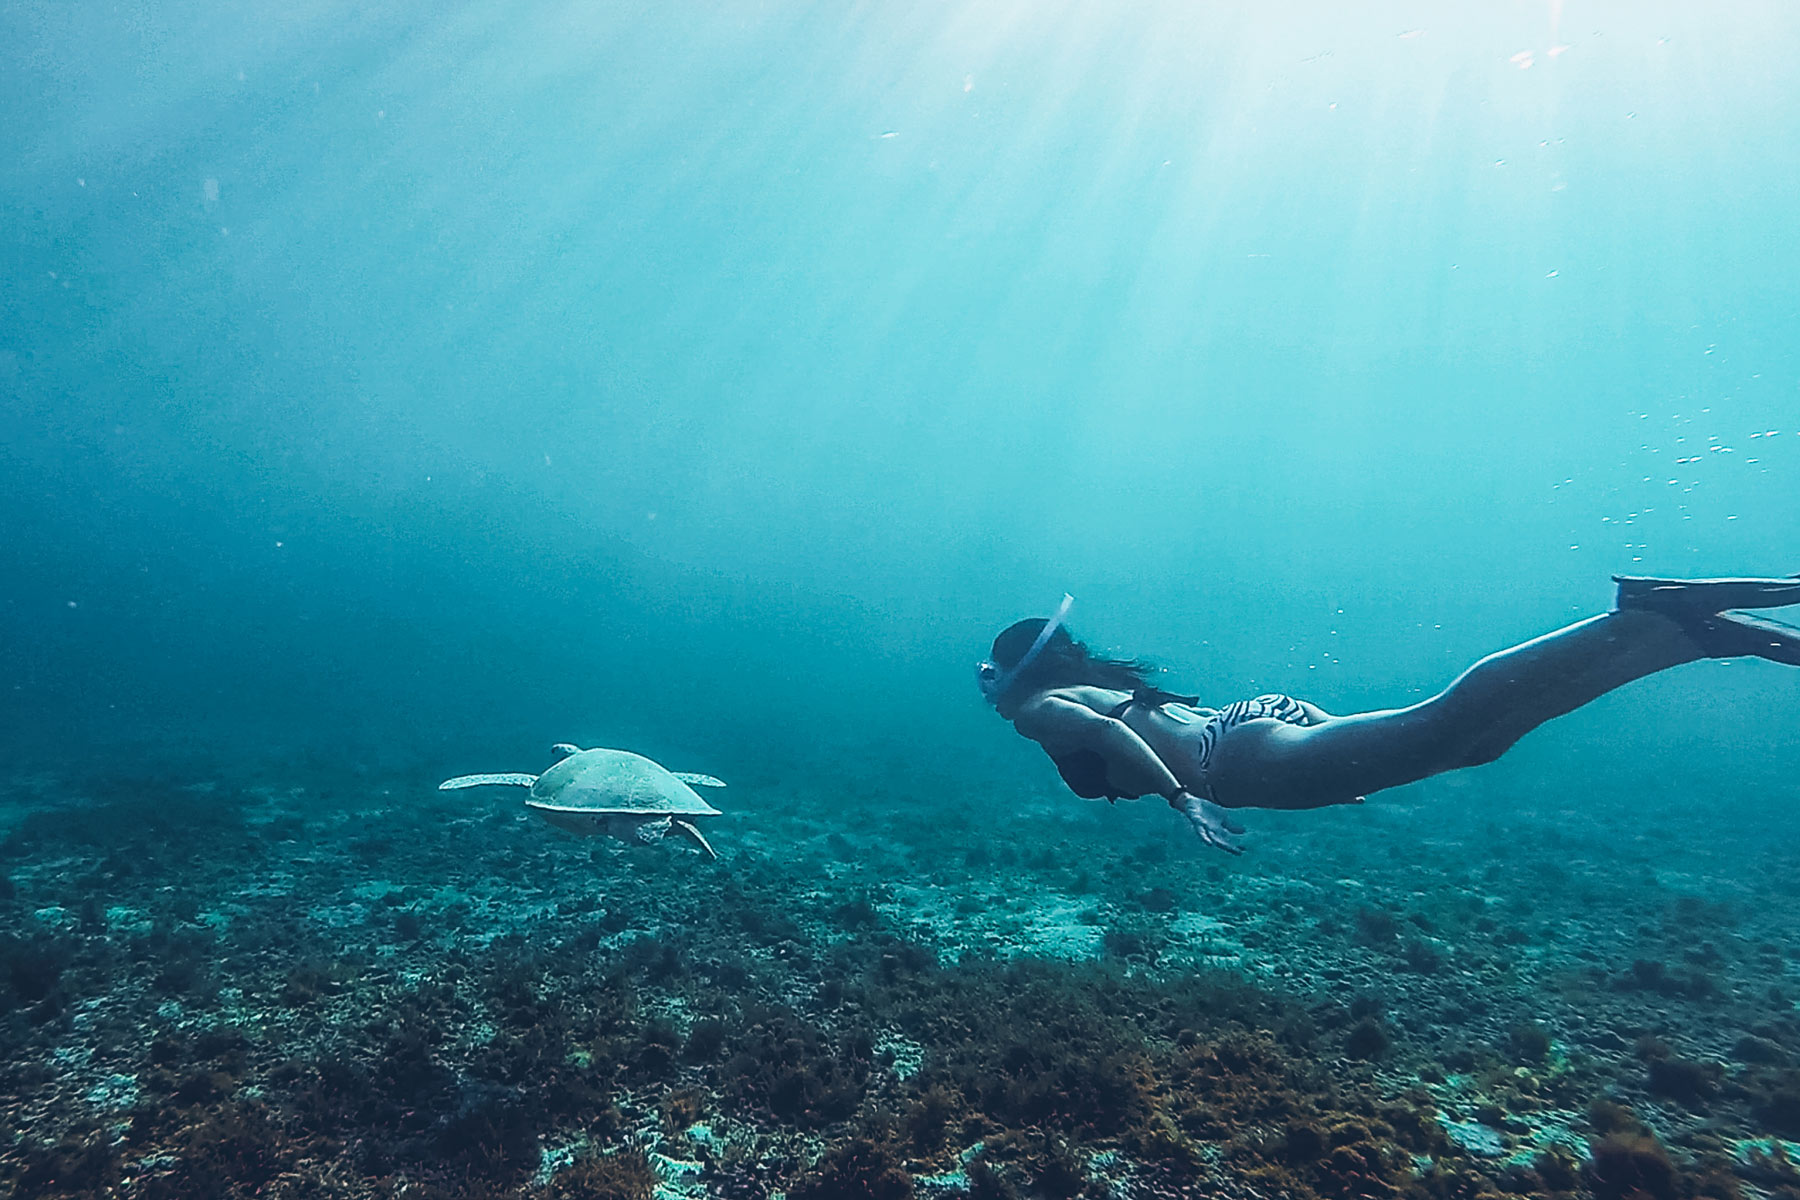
<point x="227" y="990"/>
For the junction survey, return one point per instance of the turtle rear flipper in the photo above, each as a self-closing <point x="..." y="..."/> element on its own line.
<point x="688" y="828"/>
<point x="647" y="832"/>
<point x="508" y="779"/>
<point x="692" y="779"/>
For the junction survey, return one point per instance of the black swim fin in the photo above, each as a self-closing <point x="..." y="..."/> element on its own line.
<point x="1677" y="596"/>
<point x="1740" y="635"/>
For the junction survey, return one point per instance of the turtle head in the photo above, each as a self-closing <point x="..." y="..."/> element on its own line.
<point x="562" y="750"/>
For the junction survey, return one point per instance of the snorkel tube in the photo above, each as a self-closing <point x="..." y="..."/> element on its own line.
<point x="994" y="682"/>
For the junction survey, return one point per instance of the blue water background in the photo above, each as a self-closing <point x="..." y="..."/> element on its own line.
<point x="409" y="386"/>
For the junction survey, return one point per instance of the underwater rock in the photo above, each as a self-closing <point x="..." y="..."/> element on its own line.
<point x="231" y="1152"/>
<point x="1159" y="899"/>
<point x="1759" y="1051"/>
<point x="1476" y="1137"/>
<point x="859" y="1169"/>
<point x="1774" y="1098"/>
<point x="1529" y="1043"/>
<point x="1368" y="1039"/>
<point x="1376" y="927"/>
<point x="784" y="1067"/>
<point x="85" y="1166"/>
<point x="31" y="968"/>
<point x="622" y="1175"/>
<point x="1421" y="956"/>
<point x="1685" y="1081"/>
<point x="929" y="1118"/>
<point x="1624" y="1166"/>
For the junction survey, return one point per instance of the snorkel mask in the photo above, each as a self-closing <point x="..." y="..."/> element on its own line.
<point x="994" y="682"/>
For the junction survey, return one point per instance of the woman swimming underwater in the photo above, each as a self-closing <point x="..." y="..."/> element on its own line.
<point x="1112" y="735"/>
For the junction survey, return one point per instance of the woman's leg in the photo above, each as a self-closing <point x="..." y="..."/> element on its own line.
<point x="1267" y="764"/>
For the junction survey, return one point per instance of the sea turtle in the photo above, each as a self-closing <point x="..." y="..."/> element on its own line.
<point x="613" y="792"/>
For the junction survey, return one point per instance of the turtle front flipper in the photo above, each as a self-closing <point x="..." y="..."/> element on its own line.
<point x="687" y="827"/>
<point x="694" y="780"/>
<point x="510" y="779"/>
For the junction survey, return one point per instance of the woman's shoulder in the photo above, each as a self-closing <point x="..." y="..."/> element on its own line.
<point x="1048" y="714"/>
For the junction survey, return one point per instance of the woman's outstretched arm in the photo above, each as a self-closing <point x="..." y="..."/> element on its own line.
<point x="1269" y="764"/>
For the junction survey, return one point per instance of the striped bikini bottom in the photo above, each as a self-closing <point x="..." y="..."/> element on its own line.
<point x="1274" y="704"/>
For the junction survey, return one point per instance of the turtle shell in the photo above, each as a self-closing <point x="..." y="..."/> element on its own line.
<point x="617" y="781"/>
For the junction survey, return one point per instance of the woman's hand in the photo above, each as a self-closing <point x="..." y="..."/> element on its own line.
<point x="1209" y="820"/>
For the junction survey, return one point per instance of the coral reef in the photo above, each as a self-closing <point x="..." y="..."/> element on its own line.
<point x="231" y="991"/>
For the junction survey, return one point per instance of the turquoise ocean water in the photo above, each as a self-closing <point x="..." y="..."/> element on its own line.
<point x="376" y="358"/>
<point x="390" y="390"/>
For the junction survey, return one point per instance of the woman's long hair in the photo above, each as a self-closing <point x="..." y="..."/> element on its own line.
<point x="1064" y="662"/>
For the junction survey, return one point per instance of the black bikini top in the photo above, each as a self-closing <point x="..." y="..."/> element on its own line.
<point x="1149" y="697"/>
<point x="1085" y="770"/>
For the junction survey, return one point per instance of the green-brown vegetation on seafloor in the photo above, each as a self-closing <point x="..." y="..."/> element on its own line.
<point x="444" y="1033"/>
<point x="1194" y="1080"/>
